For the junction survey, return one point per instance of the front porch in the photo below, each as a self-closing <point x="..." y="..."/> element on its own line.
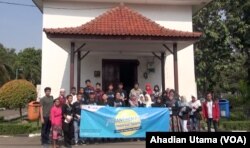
<point x="87" y="58"/>
<point x="133" y="37"/>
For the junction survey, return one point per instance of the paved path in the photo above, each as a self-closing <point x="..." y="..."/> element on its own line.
<point x="12" y="114"/>
<point x="24" y="142"/>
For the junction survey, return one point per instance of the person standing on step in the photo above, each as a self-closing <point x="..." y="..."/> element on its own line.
<point x="98" y="92"/>
<point x="184" y="113"/>
<point x="156" y="93"/>
<point x="111" y="95"/>
<point x="148" y="101"/>
<point x="119" y="101"/>
<point x="136" y="91"/>
<point x="56" y="121"/>
<point x="62" y="97"/>
<point x="133" y="102"/>
<point x="123" y="93"/>
<point x="173" y="104"/>
<point x="148" y="89"/>
<point x="81" y="91"/>
<point x="211" y="112"/>
<point x="104" y="101"/>
<point x="195" y="105"/>
<point x="46" y="105"/>
<point x="67" y="126"/>
<point x="73" y="94"/>
<point x="158" y="102"/>
<point x="77" y="118"/>
<point x="88" y="89"/>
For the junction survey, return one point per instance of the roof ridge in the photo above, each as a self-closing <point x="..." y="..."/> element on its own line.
<point x="144" y="17"/>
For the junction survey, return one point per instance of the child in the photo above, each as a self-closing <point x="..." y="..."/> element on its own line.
<point x="56" y="121"/>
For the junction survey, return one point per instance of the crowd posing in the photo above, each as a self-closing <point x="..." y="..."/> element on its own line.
<point x="60" y="117"/>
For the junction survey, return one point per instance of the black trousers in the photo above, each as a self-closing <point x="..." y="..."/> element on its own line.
<point x="45" y="131"/>
<point x="215" y="124"/>
<point x="68" y="130"/>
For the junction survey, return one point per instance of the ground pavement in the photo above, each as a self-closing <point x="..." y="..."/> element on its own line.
<point x="12" y="114"/>
<point x="34" y="142"/>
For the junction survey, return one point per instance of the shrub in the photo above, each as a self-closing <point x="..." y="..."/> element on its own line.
<point x="234" y="100"/>
<point x="14" y="129"/>
<point x="1" y="119"/>
<point x="244" y="90"/>
<point x="16" y="94"/>
<point x="235" y="125"/>
<point x="238" y="116"/>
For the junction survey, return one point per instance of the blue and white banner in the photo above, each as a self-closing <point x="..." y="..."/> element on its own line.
<point x="110" y="122"/>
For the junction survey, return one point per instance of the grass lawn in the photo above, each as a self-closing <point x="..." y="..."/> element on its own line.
<point x="17" y="127"/>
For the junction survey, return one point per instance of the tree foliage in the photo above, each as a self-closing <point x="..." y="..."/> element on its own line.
<point x="7" y="60"/>
<point x="29" y="60"/>
<point x="221" y="54"/>
<point x="16" y="94"/>
<point x="237" y="20"/>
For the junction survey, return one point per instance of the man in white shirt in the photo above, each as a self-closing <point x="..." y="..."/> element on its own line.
<point x="195" y="105"/>
<point x="211" y="112"/>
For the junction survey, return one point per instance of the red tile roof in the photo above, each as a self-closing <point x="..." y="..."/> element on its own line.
<point x="122" y="21"/>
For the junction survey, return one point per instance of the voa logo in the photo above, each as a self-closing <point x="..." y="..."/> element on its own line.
<point x="232" y="139"/>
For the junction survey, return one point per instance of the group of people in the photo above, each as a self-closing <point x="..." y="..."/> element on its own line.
<point x="60" y="117"/>
<point x="193" y="112"/>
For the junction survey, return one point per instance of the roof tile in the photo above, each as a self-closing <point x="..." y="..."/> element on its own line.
<point x="122" y="20"/>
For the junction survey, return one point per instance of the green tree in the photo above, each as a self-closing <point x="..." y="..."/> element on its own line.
<point x="219" y="54"/>
<point x="29" y="60"/>
<point x="212" y="53"/>
<point x="237" y="14"/>
<point x="16" y="94"/>
<point x="7" y="59"/>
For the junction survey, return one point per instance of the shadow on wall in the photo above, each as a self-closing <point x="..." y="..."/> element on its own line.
<point x="66" y="76"/>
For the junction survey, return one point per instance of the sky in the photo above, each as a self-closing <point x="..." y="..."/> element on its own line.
<point x="20" y="26"/>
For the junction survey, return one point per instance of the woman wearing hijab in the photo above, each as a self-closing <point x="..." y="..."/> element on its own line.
<point x="173" y="104"/>
<point x="184" y="113"/>
<point x="141" y="100"/>
<point x="148" y="89"/>
<point x="148" y="101"/>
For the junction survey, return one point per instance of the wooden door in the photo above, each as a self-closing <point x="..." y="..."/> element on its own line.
<point x="110" y="74"/>
<point x="115" y="71"/>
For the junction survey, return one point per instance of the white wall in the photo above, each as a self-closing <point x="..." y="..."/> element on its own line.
<point x="55" y="64"/>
